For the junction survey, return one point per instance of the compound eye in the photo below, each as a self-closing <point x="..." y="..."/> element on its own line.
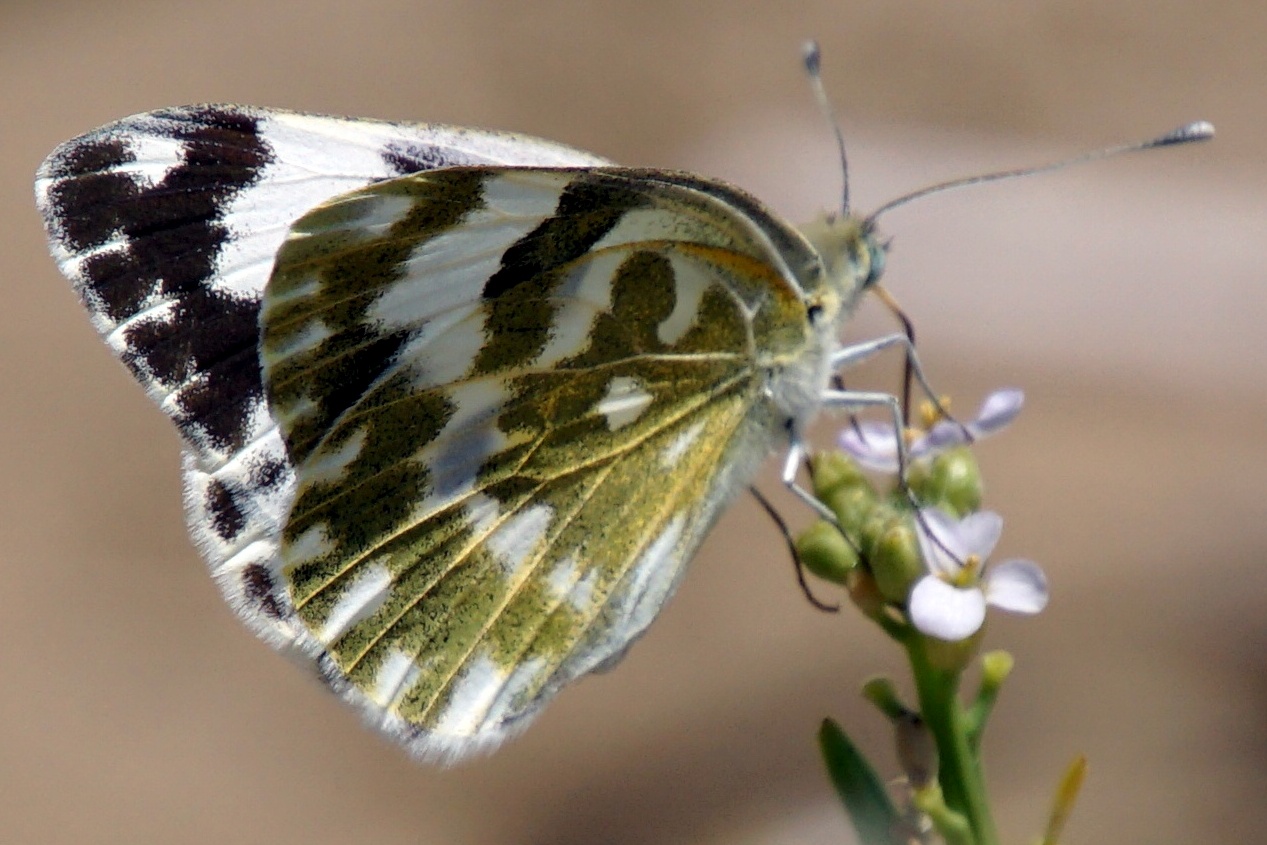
<point x="878" y="253"/>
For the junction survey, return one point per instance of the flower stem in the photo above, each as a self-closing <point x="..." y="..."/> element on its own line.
<point x="959" y="767"/>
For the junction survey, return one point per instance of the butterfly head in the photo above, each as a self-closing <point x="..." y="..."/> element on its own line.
<point x="852" y="256"/>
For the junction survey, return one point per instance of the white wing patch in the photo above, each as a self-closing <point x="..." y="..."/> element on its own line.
<point x="683" y="441"/>
<point x="520" y="536"/>
<point x="481" y="513"/>
<point x="442" y="271"/>
<point x="524" y="196"/>
<point x="380" y="215"/>
<point x="585" y="293"/>
<point x="332" y="465"/>
<point x="564" y="575"/>
<point x="625" y="401"/>
<point x="571" y="583"/>
<point x="649" y="586"/>
<point x="156" y="156"/>
<point x="312" y="336"/>
<point x="468" y="439"/>
<point x="522" y="679"/>
<point x="581" y="596"/>
<point x="472" y="695"/>
<point x="690" y="282"/>
<point x="358" y="601"/>
<point x="569" y="333"/>
<point x="313" y="543"/>
<point x="396" y="675"/>
<point x="461" y="332"/>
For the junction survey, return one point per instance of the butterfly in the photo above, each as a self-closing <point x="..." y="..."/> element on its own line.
<point x="457" y="406"/>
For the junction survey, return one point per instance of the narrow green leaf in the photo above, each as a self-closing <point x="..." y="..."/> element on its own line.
<point x="865" y="798"/>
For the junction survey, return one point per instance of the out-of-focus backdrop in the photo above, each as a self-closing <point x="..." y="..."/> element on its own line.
<point x="1127" y="298"/>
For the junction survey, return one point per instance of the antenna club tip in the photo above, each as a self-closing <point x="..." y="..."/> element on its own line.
<point x="812" y="56"/>
<point x="1198" y="130"/>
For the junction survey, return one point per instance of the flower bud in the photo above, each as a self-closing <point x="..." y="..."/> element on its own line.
<point x="950" y="480"/>
<point x="995" y="667"/>
<point x="895" y="558"/>
<point x="852" y="504"/>
<point x="825" y="552"/>
<point x="881" y="692"/>
<point x="832" y="470"/>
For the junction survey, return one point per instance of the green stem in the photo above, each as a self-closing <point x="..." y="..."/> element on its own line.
<point x="959" y="767"/>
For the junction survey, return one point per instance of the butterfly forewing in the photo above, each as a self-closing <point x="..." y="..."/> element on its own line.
<point x="167" y="223"/>
<point x="515" y="400"/>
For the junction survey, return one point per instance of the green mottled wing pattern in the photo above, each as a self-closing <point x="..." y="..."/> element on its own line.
<point x="516" y="399"/>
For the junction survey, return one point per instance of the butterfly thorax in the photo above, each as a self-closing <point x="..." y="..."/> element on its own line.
<point x="849" y="260"/>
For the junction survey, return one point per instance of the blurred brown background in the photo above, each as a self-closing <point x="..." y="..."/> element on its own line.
<point x="1126" y="297"/>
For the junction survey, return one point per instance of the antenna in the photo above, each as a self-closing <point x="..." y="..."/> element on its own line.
<point x="813" y="58"/>
<point x="1199" y="130"/>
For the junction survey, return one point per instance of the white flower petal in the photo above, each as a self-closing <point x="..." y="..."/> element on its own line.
<point x="997" y="411"/>
<point x="1018" y="586"/>
<point x="979" y="533"/>
<point x="943" y="435"/>
<point x="871" y="444"/>
<point x="940" y="541"/>
<point x="945" y="612"/>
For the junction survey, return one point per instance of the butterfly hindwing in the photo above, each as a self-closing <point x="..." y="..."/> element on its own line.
<point x="515" y="399"/>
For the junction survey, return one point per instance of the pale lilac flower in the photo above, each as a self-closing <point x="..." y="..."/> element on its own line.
<point x="873" y="444"/>
<point x="949" y="602"/>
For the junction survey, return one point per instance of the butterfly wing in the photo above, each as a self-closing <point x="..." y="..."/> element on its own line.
<point x="167" y="223"/>
<point x="515" y="400"/>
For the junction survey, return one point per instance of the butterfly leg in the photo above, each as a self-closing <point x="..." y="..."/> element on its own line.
<point x="856" y="353"/>
<point x="796" y="453"/>
<point x="842" y="400"/>
<point x="781" y="524"/>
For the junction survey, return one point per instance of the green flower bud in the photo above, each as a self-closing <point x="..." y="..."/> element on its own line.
<point x="825" y="553"/>
<point x="853" y="505"/>
<point x="950" y="480"/>
<point x="895" y="559"/>
<point x="832" y="471"/>
<point x="881" y="692"/>
<point x="877" y="520"/>
<point x="995" y="667"/>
